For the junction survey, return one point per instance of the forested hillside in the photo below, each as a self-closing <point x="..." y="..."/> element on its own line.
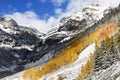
<point x="105" y="34"/>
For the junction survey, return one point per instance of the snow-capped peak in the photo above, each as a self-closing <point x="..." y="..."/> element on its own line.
<point x="9" y="25"/>
<point x="8" y="22"/>
<point x="7" y="18"/>
<point x="79" y="21"/>
<point x="91" y="13"/>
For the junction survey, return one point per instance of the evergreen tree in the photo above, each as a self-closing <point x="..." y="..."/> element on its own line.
<point x="104" y="58"/>
<point x="97" y="60"/>
<point x="113" y="51"/>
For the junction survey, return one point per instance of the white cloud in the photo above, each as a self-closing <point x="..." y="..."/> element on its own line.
<point x="58" y="11"/>
<point x="31" y="19"/>
<point x="43" y="25"/>
<point x="74" y="5"/>
<point x="29" y="4"/>
<point x="58" y="2"/>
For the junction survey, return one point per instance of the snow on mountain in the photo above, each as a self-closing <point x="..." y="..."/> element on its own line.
<point x="92" y="13"/>
<point x="9" y="25"/>
<point x="9" y="28"/>
<point x="15" y="43"/>
<point x="78" y="21"/>
<point x="71" y="72"/>
<point x="25" y="46"/>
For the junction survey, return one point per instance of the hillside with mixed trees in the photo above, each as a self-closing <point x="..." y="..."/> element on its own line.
<point x="107" y="54"/>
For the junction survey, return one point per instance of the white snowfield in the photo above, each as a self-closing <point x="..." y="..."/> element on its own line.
<point x="71" y="72"/>
<point x="21" y="47"/>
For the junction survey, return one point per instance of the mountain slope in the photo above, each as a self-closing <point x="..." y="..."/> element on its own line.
<point x="71" y="72"/>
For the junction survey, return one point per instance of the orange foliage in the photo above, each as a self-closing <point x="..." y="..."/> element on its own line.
<point x="110" y="28"/>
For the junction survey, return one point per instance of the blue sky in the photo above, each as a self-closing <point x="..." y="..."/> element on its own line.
<point x="41" y="14"/>
<point x="45" y="14"/>
<point x="40" y="7"/>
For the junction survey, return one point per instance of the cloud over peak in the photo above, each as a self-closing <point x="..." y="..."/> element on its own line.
<point x="31" y="19"/>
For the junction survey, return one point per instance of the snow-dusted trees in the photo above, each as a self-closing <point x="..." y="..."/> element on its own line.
<point x="97" y="63"/>
<point x="113" y="51"/>
<point x="104" y="57"/>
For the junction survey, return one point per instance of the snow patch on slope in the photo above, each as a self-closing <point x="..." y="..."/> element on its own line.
<point x="71" y="72"/>
<point x="30" y="48"/>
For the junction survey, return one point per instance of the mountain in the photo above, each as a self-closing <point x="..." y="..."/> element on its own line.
<point x="80" y="20"/>
<point x="15" y="42"/>
<point x="82" y="46"/>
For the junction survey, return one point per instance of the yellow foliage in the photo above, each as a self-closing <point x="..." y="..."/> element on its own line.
<point x="29" y="73"/>
<point x="107" y="42"/>
<point x="116" y="39"/>
<point x="82" y="74"/>
<point x="66" y="57"/>
<point x="87" y="68"/>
